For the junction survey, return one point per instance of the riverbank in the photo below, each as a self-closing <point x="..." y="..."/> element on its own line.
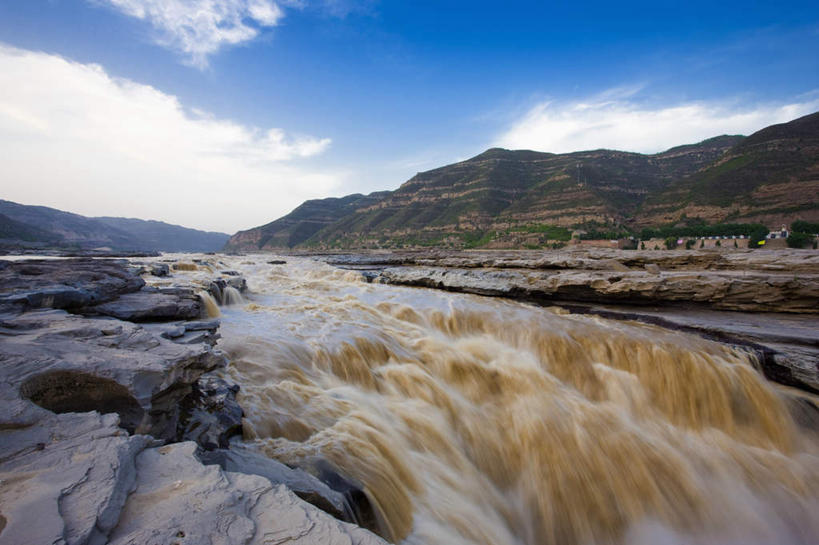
<point x="113" y="401"/>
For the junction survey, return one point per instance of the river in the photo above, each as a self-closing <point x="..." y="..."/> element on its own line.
<point x="472" y="420"/>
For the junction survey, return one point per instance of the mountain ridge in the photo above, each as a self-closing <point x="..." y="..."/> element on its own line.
<point x="771" y="176"/>
<point x="40" y="227"/>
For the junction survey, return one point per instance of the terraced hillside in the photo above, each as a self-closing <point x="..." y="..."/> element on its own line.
<point x="504" y="198"/>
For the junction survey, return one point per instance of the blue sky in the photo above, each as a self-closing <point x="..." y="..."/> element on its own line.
<point x="227" y="114"/>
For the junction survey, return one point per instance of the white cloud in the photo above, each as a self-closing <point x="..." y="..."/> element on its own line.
<point x="614" y="119"/>
<point x="199" y="28"/>
<point x="75" y="138"/>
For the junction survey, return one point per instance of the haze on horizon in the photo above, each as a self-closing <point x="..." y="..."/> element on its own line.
<point x="226" y="115"/>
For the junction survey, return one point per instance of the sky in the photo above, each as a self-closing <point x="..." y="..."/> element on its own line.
<point x="225" y="115"/>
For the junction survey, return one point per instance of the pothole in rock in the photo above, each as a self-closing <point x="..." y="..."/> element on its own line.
<point x="77" y="392"/>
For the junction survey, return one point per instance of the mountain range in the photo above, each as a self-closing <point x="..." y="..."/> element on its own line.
<point x="505" y="198"/>
<point x="39" y="227"/>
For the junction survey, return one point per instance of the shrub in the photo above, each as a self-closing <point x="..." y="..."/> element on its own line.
<point x="690" y="243"/>
<point x="642" y="245"/>
<point x="718" y="243"/>
<point x="799" y="240"/>
<point x="671" y="243"/>
<point x="805" y="227"/>
<point x="702" y="243"/>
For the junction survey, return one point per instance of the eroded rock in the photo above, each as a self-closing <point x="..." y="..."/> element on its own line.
<point x="244" y="460"/>
<point x="210" y="414"/>
<point x="65" y="284"/>
<point x="69" y="362"/>
<point x="178" y="499"/>
<point x="716" y="290"/>
<point x="65" y="478"/>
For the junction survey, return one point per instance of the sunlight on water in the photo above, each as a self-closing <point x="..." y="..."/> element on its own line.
<point x="475" y="420"/>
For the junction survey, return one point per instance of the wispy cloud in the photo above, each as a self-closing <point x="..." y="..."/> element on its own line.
<point x="617" y="119"/>
<point x="199" y="28"/>
<point x="73" y="137"/>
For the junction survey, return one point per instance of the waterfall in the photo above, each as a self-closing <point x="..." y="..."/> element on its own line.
<point x="471" y="420"/>
<point x="210" y="304"/>
<point x="231" y="296"/>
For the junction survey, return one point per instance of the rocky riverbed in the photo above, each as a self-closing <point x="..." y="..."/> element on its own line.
<point x="122" y="420"/>
<point x="115" y="421"/>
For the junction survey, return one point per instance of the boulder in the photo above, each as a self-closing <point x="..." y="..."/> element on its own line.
<point x="210" y="414"/>
<point x="160" y="269"/>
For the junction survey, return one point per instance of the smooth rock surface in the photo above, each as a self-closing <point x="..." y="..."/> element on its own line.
<point x="179" y="500"/>
<point x="65" y="478"/>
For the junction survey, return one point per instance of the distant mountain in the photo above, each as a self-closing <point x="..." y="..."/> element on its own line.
<point x="165" y="237"/>
<point x="515" y="198"/>
<point x="23" y="226"/>
<point x="302" y="223"/>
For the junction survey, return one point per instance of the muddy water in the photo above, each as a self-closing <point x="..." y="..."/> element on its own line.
<point x="482" y="421"/>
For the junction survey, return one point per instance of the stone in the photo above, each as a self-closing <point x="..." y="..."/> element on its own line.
<point x="244" y="460"/>
<point x="211" y="325"/>
<point x="238" y="282"/>
<point x="653" y="268"/>
<point x="160" y="269"/>
<point x="179" y="500"/>
<point x="65" y="478"/>
<point x="210" y="414"/>
<point x="149" y="305"/>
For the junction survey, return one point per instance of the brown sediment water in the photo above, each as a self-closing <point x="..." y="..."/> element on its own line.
<point x="232" y="296"/>
<point x="210" y="304"/>
<point x="482" y="421"/>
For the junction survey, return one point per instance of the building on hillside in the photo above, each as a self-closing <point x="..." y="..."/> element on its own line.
<point x="782" y="233"/>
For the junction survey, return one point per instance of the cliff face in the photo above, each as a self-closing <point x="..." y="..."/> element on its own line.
<point x="512" y="198"/>
<point x="770" y="177"/>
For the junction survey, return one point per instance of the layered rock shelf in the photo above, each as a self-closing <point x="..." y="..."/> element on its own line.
<point x="116" y="425"/>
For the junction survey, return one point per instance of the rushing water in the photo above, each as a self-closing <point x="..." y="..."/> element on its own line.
<point x="483" y="421"/>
